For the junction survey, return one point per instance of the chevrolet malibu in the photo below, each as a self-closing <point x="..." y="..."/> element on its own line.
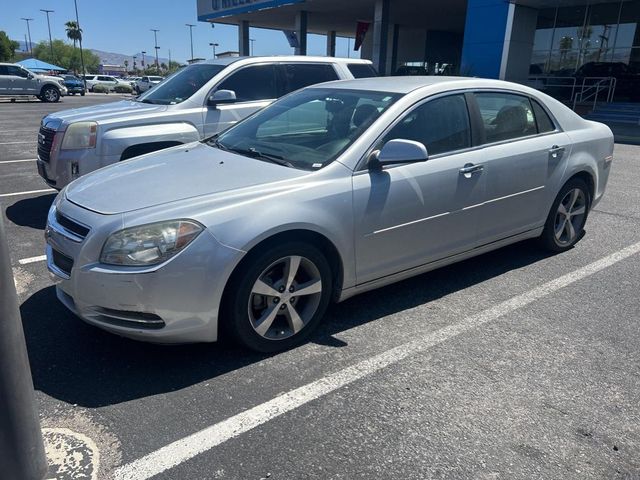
<point x="331" y="191"/>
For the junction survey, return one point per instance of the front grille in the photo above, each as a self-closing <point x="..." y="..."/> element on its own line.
<point x="62" y="262"/>
<point x="72" y="226"/>
<point x="45" y="142"/>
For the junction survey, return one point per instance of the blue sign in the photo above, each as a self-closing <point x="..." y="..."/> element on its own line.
<point x="212" y="9"/>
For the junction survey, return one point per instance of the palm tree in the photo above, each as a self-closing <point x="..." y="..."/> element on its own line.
<point x="73" y="32"/>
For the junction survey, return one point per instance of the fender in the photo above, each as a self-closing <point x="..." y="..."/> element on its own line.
<point x="116" y="140"/>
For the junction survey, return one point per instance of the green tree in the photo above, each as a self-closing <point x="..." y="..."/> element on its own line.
<point x="66" y="56"/>
<point x="7" y="47"/>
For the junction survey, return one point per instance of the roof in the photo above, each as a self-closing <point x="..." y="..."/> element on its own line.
<point x="284" y="58"/>
<point x="35" y="64"/>
<point x="396" y="84"/>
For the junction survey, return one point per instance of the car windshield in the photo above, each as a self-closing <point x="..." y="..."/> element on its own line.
<point x="181" y="85"/>
<point x="308" y="129"/>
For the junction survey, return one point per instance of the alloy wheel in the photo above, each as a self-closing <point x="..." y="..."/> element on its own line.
<point x="570" y="217"/>
<point x="51" y="95"/>
<point x="285" y="297"/>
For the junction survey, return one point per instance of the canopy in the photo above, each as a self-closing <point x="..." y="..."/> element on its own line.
<point x="39" y="66"/>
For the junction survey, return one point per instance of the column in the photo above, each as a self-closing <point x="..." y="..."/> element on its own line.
<point x="331" y="43"/>
<point x="243" y="39"/>
<point x="381" y="35"/>
<point x="301" y="32"/>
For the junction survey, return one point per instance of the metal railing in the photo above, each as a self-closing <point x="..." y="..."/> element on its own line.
<point x="575" y="90"/>
<point x="591" y="88"/>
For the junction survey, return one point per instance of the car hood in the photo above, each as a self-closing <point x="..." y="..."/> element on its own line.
<point x="97" y="113"/>
<point x="175" y="174"/>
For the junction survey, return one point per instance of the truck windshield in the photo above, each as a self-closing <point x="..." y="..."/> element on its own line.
<point x="181" y="85"/>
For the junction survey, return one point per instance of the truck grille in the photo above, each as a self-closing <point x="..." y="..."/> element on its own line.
<point x="45" y="142"/>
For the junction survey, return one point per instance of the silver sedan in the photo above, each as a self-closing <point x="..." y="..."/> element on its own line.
<point x="329" y="192"/>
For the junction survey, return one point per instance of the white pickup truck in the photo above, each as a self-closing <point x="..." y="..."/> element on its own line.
<point x="17" y="81"/>
<point x="195" y="103"/>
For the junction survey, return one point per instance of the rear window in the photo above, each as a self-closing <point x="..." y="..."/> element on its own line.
<point x="544" y="122"/>
<point x="362" y="70"/>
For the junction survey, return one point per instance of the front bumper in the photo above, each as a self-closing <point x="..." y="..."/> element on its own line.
<point x="78" y="89"/>
<point x="176" y="302"/>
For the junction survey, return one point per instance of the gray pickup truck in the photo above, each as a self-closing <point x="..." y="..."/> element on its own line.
<point x="17" y="81"/>
<point x="196" y="102"/>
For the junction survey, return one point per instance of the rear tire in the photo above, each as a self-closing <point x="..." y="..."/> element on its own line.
<point x="565" y="223"/>
<point x="268" y="309"/>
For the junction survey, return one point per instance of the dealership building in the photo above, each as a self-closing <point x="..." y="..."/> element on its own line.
<point x="510" y="40"/>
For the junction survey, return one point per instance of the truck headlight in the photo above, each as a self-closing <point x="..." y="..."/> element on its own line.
<point x="149" y="244"/>
<point x="80" y="135"/>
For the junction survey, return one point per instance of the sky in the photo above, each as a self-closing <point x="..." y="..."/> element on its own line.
<point x="123" y="26"/>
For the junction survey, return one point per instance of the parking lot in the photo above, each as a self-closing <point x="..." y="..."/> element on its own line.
<point x="515" y="364"/>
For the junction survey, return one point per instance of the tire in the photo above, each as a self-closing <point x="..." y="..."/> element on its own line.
<point x="82" y="93"/>
<point x="258" y="290"/>
<point x="566" y="220"/>
<point x="50" y="94"/>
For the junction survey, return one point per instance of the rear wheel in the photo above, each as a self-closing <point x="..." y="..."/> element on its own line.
<point x="277" y="298"/>
<point x="565" y="223"/>
<point x="50" y="95"/>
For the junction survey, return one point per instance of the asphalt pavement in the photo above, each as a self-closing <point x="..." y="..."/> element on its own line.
<point x="516" y="364"/>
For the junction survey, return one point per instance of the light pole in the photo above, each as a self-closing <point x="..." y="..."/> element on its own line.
<point x="29" y="32"/>
<point x="214" y="45"/>
<point x="190" y="25"/>
<point x="49" y="25"/>
<point x="143" y="54"/>
<point x="84" y="72"/>
<point x="252" y="40"/>
<point x="155" y="37"/>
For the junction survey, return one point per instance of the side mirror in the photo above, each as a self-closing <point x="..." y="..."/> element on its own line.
<point x="221" y="97"/>
<point x="399" y="151"/>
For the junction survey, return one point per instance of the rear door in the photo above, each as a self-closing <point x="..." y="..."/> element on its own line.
<point x="255" y="86"/>
<point x="4" y="80"/>
<point x="522" y="155"/>
<point x="18" y="80"/>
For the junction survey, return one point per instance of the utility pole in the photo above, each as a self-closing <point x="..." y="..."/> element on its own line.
<point x="53" y="58"/>
<point x="169" y="59"/>
<point x="84" y="72"/>
<point x="30" y="46"/>
<point x="143" y="54"/>
<point x="21" y="448"/>
<point x="214" y="45"/>
<point x="155" y="37"/>
<point x="252" y="40"/>
<point x="190" y="25"/>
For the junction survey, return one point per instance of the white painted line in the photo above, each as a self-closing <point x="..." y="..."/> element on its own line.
<point x="18" y="161"/>
<point x="26" y="261"/>
<point x="26" y="193"/>
<point x="18" y="143"/>
<point x="188" y="447"/>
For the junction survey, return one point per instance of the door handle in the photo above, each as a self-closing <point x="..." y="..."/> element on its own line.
<point x="556" y="151"/>
<point x="469" y="169"/>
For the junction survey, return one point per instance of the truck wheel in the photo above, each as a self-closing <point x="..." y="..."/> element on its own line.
<point x="50" y="95"/>
<point x="82" y="93"/>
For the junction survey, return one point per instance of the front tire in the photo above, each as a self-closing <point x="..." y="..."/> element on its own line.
<point x="277" y="298"/>
<point x="565" y="224"/>
<point x="50" y="95"/>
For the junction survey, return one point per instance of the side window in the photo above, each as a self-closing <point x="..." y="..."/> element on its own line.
<point x="4" y="70"/>
<point x="257" y="82"/>
<point x="302" y="75"/>
<point x="506" y="116"/>
<point x="442" y="125"/>
<point x="544" y="122"/>
<point x="16" y="71"/>
<point x="362" y="70"/>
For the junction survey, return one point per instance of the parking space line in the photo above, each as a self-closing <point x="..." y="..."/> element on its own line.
<point x="16" y="143"/>
<point x="186" y="448"/>
<point x="18" y="161"/>
<point x="30" y="192"/>
<point x="26" y="261"/>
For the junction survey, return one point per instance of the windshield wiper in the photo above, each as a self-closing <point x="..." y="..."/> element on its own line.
<point x="254" y="153"/>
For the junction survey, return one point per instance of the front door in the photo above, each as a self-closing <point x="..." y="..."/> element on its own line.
<point x="412" y="214"/>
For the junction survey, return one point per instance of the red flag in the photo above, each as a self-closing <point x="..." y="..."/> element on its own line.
<point x="361" y="31"/>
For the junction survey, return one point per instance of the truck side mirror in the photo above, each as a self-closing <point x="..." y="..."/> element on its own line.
<point x="221" y="97"/>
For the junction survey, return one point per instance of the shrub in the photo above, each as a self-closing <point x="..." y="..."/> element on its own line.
<point x="123" y="88"/>
<point x="99" y="88"/>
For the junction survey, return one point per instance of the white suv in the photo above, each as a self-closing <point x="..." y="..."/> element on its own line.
<point x="145" y="83"/>
<point x="15" y="80"/>
<point x="108" y="80"/>
<point x="196" y="102"/>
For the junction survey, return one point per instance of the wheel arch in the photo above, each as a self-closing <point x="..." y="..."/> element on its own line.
<point x="587" y="177"/>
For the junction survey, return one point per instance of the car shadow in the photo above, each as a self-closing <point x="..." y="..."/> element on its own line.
<point x="31" y="212"/>
<point x="80" y="364"/>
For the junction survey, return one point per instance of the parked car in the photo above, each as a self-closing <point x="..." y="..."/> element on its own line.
<point x="108" y="80"/>
<point x="74" y="84"/>
<point x="331" y="191"/>
<point x="194" y="103"/>
<point x="17" y="81"/>
<point x="145" y="83"/>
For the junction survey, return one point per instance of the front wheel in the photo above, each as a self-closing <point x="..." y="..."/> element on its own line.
<point x="50" y="95"/>
<point x="565" y="224"/>
<point x="277" y="298"/>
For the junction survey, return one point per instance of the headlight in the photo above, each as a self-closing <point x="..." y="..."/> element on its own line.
<point x="149" y="244"/>
<point x="80" y="135"/>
